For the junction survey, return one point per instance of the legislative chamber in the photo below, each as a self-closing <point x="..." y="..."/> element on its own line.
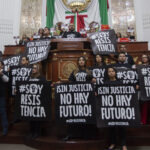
<point x="61" y="61"/>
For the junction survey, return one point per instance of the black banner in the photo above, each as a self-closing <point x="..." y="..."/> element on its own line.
<point x="37" y="51"/>
<point x="11" y="61"/>
<point x="33" y="100"/>
<point x="18" y="74"/>
<point x="144" y="81"/>
<point x="99" y="74"/>
<point x="127" y="76"/>
<point x="104" y="42"/>
<point x="75" y="103"/>
<point x="117" y="106"/>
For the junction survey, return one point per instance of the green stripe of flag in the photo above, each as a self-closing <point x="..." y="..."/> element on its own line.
<point x="50" y="13"/>
<point x="103" y="12"/>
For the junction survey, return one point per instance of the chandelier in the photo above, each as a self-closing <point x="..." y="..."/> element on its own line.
<point x="76" y="5"/>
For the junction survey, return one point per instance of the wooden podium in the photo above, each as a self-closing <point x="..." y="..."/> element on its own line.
<point x="63" y="57"/>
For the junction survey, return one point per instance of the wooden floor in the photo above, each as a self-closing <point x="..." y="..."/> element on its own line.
<point x="51" y="139"/>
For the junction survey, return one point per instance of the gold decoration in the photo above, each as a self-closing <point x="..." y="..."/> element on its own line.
<point x="76" y="5"/>
<point x="67" y="68"/>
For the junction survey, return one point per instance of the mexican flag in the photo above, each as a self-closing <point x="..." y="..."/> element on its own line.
<point x="58" y="12"/>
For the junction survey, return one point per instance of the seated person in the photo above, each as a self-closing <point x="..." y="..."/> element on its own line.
<point x="71" y="33"/>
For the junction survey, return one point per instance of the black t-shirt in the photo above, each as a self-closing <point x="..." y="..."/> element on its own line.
<point x="80" y="76"/>
<point x="71" y="34"/>
<point x="122" y="65"/>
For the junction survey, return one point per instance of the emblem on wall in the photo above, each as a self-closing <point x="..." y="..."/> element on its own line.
<point x="76" y="5"/>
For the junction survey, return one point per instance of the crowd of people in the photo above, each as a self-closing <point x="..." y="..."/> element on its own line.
<point x="81" y="73"/>
<point x="61" y="30"/>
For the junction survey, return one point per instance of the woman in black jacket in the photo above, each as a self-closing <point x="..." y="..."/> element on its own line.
<point x="80" y="74"/>
<point x="112" y="80"/>
<point x="35" y="126"/>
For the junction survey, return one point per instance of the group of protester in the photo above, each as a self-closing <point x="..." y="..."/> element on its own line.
<point x="82" y="73"/>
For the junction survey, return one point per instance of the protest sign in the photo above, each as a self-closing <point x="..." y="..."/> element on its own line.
<point x="33" y="100"/>
<point x="75" y="103"/>
<point x="144" y="82"/>
<point x="11" y="61"/>
<point x="127" y="76"/>
<point x="104" y="42"/>
<point x="37" y="51"/>
<point x="117" y="105"/>
<point x="18" y="74"/>
<point x="99" y="74"/>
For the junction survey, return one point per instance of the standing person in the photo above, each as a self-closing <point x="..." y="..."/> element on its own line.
<point x="35" y="126"/>
<point x="111" y="79"/>
<point x="99" y="61"/>
<point x="81" y="74"/>
<point x="129" y="58"/>
<point x="24" y="61"/>
<point x="46" y="33"/>
<point x="145" y="105"/>
<point x="40" y="32"/>
<point x="122" y="61"/>
<point x="3" y="80"/>
<point x="71" y="33"/>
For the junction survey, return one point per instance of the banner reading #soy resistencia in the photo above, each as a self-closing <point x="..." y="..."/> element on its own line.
<point x="11" y="61"/>
<point x="144" y="81"/>
<point x="33" y="100"/>
<point x="127" y="75"/>
<point x="19" y="73"/>
<point x="104" y="42"/>
<point x="75" y="103"/>
<point x="99" y="74"/>
<point x="117" y="105"/>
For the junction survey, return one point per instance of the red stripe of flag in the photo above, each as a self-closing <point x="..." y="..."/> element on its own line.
<point x="107" y="4"/>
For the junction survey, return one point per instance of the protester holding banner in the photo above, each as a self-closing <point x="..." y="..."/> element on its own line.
<point x="112" y="80"/>
<point x="35" y="126"/>
<point x="99" y="60"/>
<point x="46" y="33"/>
<point x="3" y="80"/>
<point x="24" y="61"/>
<point x="122" y="61"/>
<point x="71" y="33"/>
<point x="81" y="74"/>
<point x="145" y="105"/>
<point x="98" y="69"/>
<point x="129" y="58"/>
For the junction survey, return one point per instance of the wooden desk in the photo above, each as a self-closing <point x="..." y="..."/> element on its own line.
<point x="13" y="49"/>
